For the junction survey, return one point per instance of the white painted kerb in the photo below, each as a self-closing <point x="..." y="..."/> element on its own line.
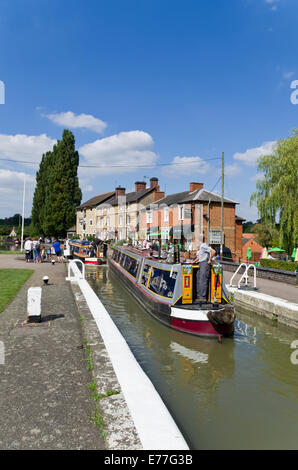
<point x="156" y="428"/>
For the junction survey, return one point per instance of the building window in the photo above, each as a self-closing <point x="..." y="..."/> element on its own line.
<point x="149" y="217"/>
<point x="120" y="220"/>
<point x="90" y="222"/>
<point x="166" y="214"/>
<point x="127" y="219"/>
<point x="181" y="212"/>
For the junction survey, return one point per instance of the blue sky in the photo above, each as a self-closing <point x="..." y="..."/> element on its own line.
<point x="163" y="84"/>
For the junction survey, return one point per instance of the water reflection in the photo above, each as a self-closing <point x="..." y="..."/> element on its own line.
<point x="241" y="394"/>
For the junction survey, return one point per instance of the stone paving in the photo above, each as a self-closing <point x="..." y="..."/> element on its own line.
<point x="45" y="402"/>
<point x="275" y="289"/>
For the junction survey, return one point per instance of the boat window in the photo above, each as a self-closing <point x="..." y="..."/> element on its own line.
<point x="116" y="255"/>
<point x="145" y="274"/>
<point x="162" y="283"/>
<point x="131" y="265"/>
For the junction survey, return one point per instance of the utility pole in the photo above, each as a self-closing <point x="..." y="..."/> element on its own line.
<point x="22" y="236"/>
<point x="222" y="204"/>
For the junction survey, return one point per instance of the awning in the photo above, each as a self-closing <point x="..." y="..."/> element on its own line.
<point x="182" y="230"/>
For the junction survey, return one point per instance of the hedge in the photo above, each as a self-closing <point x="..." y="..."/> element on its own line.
<point x="275" y="264"/>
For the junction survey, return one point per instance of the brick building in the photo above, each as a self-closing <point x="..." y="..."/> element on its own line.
<point x="118" y="217"/>
<point x="86" y="222"/>
<point x="248" y="241"/>
<point x="190" y="215"/>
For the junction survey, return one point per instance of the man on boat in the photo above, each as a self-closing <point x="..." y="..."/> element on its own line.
<point x="204" y="256"/>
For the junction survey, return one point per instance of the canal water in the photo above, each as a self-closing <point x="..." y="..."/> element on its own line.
<point x="241" y="394"/>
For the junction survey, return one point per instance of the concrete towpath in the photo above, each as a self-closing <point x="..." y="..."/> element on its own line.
<point x="45" y="402"/>
<point x="277" y="289"/>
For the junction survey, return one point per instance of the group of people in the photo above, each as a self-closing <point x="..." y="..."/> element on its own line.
<point x="98" y="245"/>
<point x="39" y="250"/>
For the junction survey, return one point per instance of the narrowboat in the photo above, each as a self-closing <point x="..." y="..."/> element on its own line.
<point x="83" y="250"/>
<point x="168" y="292"/>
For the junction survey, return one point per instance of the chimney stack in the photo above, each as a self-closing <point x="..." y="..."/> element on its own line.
<point x="195" y="186"/>
<point x="157" y="195"/>
<point x="140" y="186"/>
<point x="120" y="191"/>
<point x="154" y="183"/>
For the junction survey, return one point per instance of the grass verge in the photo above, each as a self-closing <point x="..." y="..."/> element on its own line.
<point x="10" y="282"/>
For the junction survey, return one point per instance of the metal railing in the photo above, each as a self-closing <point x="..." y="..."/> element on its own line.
<point x="244" y="276"/>
<point x="77" y="273"/>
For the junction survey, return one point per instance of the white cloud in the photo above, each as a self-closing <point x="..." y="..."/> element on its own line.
<point x="288" y="75"/>
<point x="250" y="156"/>
<point x="25" y="147"/>
<point x="11" y="192"/>
<point x="185" y="166"/>
<point x="76" y="121"/>
<point x="233" y="170"/>
<point x="120" y="153"/>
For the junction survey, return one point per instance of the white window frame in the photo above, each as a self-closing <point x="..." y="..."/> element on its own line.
<point x="181" y="212"/>
<point x="166" y="214"/>
<point x="120" y="220"/>
<point x="149" y="216"/>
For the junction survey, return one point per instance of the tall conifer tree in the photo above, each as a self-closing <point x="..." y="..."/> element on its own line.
<point x="57" y="192"/>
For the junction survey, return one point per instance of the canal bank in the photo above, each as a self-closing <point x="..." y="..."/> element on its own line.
<point x="136" y="417"/>
<point x="277" y="301"/>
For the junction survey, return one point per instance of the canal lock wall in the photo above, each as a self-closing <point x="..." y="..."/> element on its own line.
<point x="274" y="308"/>
<point x="133" y="414"/>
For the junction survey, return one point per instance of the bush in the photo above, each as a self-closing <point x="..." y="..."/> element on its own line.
<point x="120" y="243"/>
<point x="275" y="264"/>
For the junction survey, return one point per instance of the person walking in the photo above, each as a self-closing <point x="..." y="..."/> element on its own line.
<point x="28" y="249"/>
<point x="204" y="256"/>
<point x="36" y="249"/>
<point x="57" y="248"/>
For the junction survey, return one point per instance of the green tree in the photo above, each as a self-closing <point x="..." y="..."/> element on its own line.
<point x="57" y="192"/>
<point x="266" y="235"/>
<point x="276" y="195"/>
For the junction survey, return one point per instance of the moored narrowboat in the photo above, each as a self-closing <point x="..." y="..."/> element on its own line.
<point x="87" y="253"/>
<point x="168" y="292"/>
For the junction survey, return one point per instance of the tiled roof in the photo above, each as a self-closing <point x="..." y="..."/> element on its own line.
<point x="187" y="196"/>
<point x="205" y="196"/>
<point x="94" y="201"/>
<point x="131" y="197"/>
